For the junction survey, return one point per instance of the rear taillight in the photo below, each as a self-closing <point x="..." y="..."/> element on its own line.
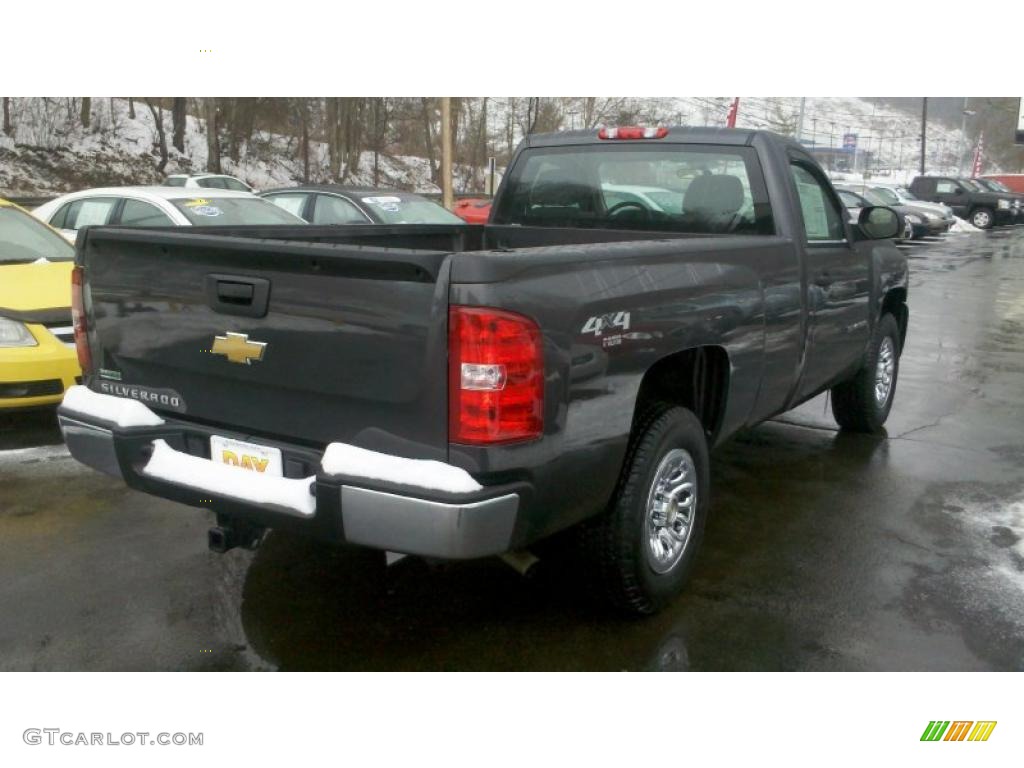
<point x="78" y="319"/>
<point x="495" y="376"/>
<point x="633" y="132"/>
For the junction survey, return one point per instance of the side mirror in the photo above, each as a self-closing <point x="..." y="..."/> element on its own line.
<point x="958" y="191"/>
<point x="879" y="222"/>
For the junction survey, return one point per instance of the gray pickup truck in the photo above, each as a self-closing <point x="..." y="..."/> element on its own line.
<point x="637" y="296"/>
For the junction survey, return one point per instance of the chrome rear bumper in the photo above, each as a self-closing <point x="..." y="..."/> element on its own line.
<point x="448" y="526"/>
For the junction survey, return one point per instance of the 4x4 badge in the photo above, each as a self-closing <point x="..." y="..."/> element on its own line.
<point x="237" y="348"/>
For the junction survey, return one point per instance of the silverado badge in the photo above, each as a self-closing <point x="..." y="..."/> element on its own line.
<point x="237" y="348"/>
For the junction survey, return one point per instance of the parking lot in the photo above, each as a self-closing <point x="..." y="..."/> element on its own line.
<point x="825" y="551"/>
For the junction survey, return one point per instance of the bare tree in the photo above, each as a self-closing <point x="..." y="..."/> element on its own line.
<point x="428" y="130"/>
<point x="178" y="121"/>
<point x="131" y="107"/>
<point x="532" y="113"/>
<point x="212" y="140"/>
<point x="158" y="118"/>
<point x="510" y="128"/>
<point x="353" y="124"/>
<point x="8" y="127"/>
<point x="380" y="133"/>
<point x="332" y="110"/>
<point x="86" y="113"/>
<point x="239" y="121"/>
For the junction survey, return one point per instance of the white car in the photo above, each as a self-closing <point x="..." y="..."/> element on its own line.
<point x="159" y="207"/>
<point x="207" y="181"/>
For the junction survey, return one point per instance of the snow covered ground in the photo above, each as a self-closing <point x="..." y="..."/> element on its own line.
<point x="962" y="227"/>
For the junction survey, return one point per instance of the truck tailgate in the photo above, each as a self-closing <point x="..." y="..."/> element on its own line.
<point x="354" y="337"/>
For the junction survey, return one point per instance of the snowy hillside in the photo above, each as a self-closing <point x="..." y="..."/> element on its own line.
<point x="48" y="157"/>
<point x="889" y="135"/>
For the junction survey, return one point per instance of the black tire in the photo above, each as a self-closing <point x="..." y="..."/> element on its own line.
<point x="854" y="403"/>
<point x="617" y="543"/>
<point x="983" y="218"/>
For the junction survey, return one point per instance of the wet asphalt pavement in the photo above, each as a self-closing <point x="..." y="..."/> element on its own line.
<point x="824" y="551"/>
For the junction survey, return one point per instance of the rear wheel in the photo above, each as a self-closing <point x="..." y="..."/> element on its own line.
<point x="983" y="218"/>
<point x="644" y="546"/>
<point x="862" y="403"/>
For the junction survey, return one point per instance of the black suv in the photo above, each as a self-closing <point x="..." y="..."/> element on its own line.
<point x="984" y="209"/>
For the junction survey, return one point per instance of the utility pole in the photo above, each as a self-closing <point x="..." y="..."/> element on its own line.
<point x="800" y="120"/>
<point x="447" y="199"/>
<point x="963" y="137"/>
<point x="924" y="129"/>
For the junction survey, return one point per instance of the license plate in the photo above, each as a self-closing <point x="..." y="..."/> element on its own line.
<point x="255" y="458"/>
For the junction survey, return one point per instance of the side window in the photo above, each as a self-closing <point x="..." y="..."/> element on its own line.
<point x="292" y="203"/>
<point x="235" y="185"/>
<point x="81" y="213"/>
<point x="822" y="219"/>
<point x="58" y="219"/>
<point x="175" y="181"/>
<point x="211" y="183"/>
<point x="847" y="199"/>
<point x="946" y="187"/>
<point x="335" y="210"/>
<point x="138" y="214"/>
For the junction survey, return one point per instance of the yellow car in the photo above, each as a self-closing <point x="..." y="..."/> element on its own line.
<point x="37" y="352"/>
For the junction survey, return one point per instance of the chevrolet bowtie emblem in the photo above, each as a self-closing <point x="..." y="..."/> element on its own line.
<point x="237" y="348"/>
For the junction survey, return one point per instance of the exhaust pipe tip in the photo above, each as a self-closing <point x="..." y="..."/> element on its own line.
<point x="522" y="561"/>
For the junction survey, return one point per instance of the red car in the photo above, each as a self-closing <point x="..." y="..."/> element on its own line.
<point x="473" y="210"/>
<point x="1012" y="181"/>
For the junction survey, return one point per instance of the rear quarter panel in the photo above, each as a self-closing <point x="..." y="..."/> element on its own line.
<point x="608" y="312"/>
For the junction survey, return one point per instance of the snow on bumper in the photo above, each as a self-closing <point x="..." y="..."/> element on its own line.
<point x="365" y="497"/>
<point x="179" y="468"/>
<point x="116" y="410"/>
<point x="344" y="459"/>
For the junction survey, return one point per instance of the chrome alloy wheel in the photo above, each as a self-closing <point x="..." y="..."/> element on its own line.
<point x="671" y="506"/>
<point x="884" y="369"/>
<point x="981" y="219"/>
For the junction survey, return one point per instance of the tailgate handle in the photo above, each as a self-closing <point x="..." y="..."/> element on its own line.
<point x="238" y="295"/>
<point x="234" y="293"/>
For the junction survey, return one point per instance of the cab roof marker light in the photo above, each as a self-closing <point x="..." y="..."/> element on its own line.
<point x="633" y="132"/>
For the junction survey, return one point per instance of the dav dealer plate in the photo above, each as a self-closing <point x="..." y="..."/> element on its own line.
<point x="237" y="453"/>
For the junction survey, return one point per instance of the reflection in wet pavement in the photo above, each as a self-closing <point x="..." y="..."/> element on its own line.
<point x="825" y="551"/>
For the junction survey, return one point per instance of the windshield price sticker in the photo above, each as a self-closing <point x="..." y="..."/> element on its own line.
<point x="207" y="210"/>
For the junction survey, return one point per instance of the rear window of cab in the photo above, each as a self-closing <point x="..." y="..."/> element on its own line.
<point x="689" y="188"/>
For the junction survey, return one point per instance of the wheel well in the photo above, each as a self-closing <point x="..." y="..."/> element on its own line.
<point x="696" y="379"/>
<point x="895" y="304"/>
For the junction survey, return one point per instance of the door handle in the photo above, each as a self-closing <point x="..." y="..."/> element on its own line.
<point x="238" y="295"/>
